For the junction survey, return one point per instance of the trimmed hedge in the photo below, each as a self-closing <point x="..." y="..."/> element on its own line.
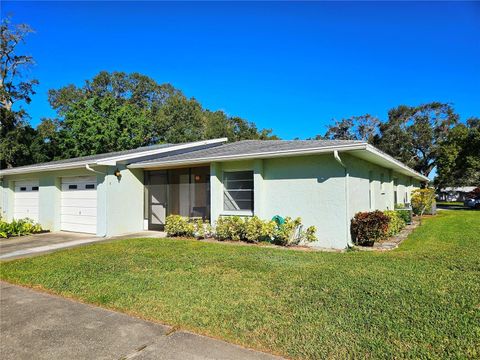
<point x="368" y="227"/>
<point x="235" y="228"/>
<point x="176" y="225"/>
<point x="395" y="223"/>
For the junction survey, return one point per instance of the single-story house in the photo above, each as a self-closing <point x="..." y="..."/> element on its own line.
<point x="325" y="182"/>
<point x="454" y="193"/>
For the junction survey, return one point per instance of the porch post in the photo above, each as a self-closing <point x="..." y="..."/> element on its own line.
<point x="216" y="191"/>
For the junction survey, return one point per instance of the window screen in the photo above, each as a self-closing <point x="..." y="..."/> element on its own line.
<point x="238" y="191"/>
<point x="72" y="187"/>
<point x="90" y="186"/>
<point x="23" y="188"/>
<point x="34" y="188"/>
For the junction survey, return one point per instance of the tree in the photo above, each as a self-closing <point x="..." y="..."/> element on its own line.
<point x="364" y="127"/>
<point x="414" y="134"/>
<point x="12" y="65"/>
<point x="16" y="135"/>
<point x="119" y="111"/>
<point x="458" y="162"/>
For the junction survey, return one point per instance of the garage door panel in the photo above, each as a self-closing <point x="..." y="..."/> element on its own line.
<point x="26" y="200"/>
<point x="27" y="195"/>
<point x="78" y="210"/>
<point x="92" y="229"/>
<point x="79" y="194"/>
<point x="90" y="203"/>
<point x="26" y="203"/>
<point x="79" y="219"/>
<point x="75" y="210"/>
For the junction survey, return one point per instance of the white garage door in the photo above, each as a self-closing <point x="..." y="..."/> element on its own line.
<point x="78" y="209"/>
<point x="26" y="200"/>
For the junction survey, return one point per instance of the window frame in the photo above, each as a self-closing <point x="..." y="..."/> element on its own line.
<point x="240" y="212"/>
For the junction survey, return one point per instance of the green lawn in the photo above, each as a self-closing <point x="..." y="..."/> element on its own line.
<point x="419" y="301"/>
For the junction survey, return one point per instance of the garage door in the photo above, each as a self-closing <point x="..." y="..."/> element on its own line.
<point x="26" y="200"/>
<point x="78" y="209"/>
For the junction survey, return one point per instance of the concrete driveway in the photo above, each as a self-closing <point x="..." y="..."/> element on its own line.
<point x="35" y="325"/>
<point x="36" y="244"/>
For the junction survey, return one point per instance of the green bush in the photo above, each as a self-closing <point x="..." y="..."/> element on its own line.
<point x="258" y="230"/>
<point x="254" y="230"/>
<point x="19" y="228"/>
<point x="368" y="227"/>
<point x="396" y="222"/>
<point x="405" y="214"/>
<point x="291" y="233"/>
<point x="230" y="228"/>
<point x="176" y="225"/>
<point x="422" y="201"/>
<point x="203" y="229"/>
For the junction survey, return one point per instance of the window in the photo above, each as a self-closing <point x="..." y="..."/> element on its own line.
<point x="72" y="187"/>
<point x="238" y="191"/>
<point x="23" y="188"/>
<point x="34" y="188"/>
<point x="90" y="186"/>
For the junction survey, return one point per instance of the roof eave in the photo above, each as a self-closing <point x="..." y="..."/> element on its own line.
<point x="261" y="155"/>
<point x="110" y="161"/>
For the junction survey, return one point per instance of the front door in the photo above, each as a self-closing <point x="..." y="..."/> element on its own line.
<point x="157" y="200"/>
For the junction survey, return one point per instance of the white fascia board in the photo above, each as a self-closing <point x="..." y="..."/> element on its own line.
<point x="395" y="162"/>
<point x="46" y="167"/>
<point x="261" y="155"/>
<point x="112" y="161"/>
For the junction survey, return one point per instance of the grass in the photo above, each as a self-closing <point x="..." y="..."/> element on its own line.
<point x="450" y="203"/>
<point x="419" y="301"/>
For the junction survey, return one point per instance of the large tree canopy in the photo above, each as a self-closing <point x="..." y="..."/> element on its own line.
<point x="16" y="134"/>
<point x="458" y="162"/>
<point x="118" y="111"/>
<point x="412" y="134"/>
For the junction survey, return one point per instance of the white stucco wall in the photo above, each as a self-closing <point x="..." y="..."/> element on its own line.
<point x="125" y="201"/>
<point x="310" y="187"/>
<point x="119" y="203"/>
<point x="313" y="188"/>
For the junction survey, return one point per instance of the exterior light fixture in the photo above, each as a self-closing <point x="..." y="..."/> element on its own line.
<point x="117" y="173"/>
<point x="197" y="177"/>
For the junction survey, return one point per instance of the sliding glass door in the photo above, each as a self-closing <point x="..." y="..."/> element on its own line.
<point x="183" y="192"/>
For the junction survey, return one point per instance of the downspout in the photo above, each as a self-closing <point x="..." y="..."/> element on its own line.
<point x="347" y="205"/>
<point x="87" y="166"/>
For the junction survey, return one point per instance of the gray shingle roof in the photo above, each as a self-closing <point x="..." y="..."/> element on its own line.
<point x="99" y="156"/>
<point x="248" y="147"/>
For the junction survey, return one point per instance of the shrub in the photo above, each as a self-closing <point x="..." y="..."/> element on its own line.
<point x="258" y="230"/>
<point x="291" y="233"/>
<point x="368" y="227"/>
<point x="255" y="229"/>
<point x="19" y="228"/>
<point x="202" y="229"/>
<point x="423" y="200"/>
<point x="405" y="214"/>
<point x="396" y="222"/>
<point x="176" y="225"/>
<point x="230" y="228"/>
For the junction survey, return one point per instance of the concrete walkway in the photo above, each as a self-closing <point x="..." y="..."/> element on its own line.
<point x="36" y="244"/>
<point x="36" y="325"/>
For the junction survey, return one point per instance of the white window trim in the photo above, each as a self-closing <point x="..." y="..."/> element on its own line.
<point x="237" y="212"/>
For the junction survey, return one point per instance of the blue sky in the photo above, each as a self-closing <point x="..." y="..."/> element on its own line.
<point x="289" y="66"/>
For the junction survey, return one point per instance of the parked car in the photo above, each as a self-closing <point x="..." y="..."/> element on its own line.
<point x="473" y="203"/>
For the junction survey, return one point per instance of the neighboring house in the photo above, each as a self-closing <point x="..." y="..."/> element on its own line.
<point x="454" y="193"/>
<point x="325" y="182"/>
